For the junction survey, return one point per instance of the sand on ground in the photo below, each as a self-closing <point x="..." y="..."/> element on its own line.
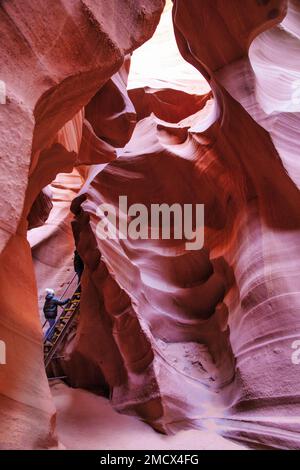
<point x="86" y="421"/>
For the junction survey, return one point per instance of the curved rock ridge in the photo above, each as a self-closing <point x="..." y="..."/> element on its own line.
<point x="176" y="296"/>
<point x="123" y="353"/>
<point x="40" y="209"/>
<point x="263" y="404"/>
<point x="165" y="104"/>
<point x="46" y="86"/>
<point x="53" y="62"/>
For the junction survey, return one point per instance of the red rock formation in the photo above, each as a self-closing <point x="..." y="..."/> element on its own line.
<point x="249" y="185"/>
<point x="40" y="209"/>
<point x="180" y="338"/>
<point x="264" y="305"/>
<point x="53" y="61"/>
<point x="164" y="283"/>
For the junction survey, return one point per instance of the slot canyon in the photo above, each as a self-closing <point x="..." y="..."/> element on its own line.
<point x="166" y="102"/>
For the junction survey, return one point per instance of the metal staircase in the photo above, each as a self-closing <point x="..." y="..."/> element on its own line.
<point x="58" y="332"/>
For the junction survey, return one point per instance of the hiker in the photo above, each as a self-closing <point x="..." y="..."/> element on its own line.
<point x="78" y="265"/>
<point x="50" y="307"/>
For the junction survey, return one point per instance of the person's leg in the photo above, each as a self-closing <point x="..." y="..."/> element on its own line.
<point x="51" y="322"/>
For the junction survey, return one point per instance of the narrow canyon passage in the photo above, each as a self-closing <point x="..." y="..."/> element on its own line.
<point x="158" y="139"/>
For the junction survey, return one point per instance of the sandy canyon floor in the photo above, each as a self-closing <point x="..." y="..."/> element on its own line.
<point x="86" y="421"/>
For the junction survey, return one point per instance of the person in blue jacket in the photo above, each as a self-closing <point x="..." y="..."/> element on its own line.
<point x="50" y="307"/>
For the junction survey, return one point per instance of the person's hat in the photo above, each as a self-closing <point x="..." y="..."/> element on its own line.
<point x="49" y="291"/>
